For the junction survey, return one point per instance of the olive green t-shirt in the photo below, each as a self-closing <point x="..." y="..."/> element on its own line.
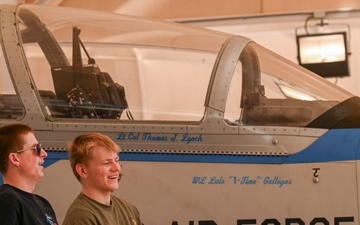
<point x="85" y="210"/>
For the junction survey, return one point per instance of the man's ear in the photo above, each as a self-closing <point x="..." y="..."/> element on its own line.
<point x="80" y="169"/>
<point x="13" y="159"/>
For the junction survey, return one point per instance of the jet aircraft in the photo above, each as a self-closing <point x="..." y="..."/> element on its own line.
<point x="214" y="128"/>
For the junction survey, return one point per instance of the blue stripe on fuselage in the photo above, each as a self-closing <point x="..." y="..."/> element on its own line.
<point x="334" y="145"/>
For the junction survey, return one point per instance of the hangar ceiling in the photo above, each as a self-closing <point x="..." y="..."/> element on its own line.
<point x="201" y="9"/>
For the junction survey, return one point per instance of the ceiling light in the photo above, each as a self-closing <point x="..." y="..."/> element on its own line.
<point x="324" y="54"/>
<point x="324" y="50"/>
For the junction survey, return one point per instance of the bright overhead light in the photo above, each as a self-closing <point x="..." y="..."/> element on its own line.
<point x="325" y="54"/>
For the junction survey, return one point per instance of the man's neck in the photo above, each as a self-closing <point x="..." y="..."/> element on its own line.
<point x="19" y="183"/>
<point x="103" y="198"/>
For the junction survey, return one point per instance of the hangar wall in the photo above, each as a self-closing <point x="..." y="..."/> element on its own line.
<point x="176" y="9"/>
<point x="277" y="32"/>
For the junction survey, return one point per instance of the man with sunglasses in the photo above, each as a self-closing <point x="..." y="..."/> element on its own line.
<point x="95" y="163"/>
<point x="21" y="164"/>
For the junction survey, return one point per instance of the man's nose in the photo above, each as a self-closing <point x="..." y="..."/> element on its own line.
<point x="44" y="153"/>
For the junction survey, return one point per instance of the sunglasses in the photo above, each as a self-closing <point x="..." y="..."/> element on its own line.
<point x="37" y="149"/>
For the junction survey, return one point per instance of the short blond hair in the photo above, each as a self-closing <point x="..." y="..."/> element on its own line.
<point x="80" y="148"/>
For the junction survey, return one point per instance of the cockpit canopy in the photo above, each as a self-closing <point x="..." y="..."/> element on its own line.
<point x="122" y="68"/>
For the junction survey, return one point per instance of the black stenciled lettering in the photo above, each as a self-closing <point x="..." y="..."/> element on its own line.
<point x="294" y="220"/>
<point x="176" y="223"/>
<point x="270" y="221"/>
<point x="319" y="220"/>
<point x="273" y="221"/>
<point x="338" y="220"/>
<point x="241" y="222"/>
<point x="207" y="222"/>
